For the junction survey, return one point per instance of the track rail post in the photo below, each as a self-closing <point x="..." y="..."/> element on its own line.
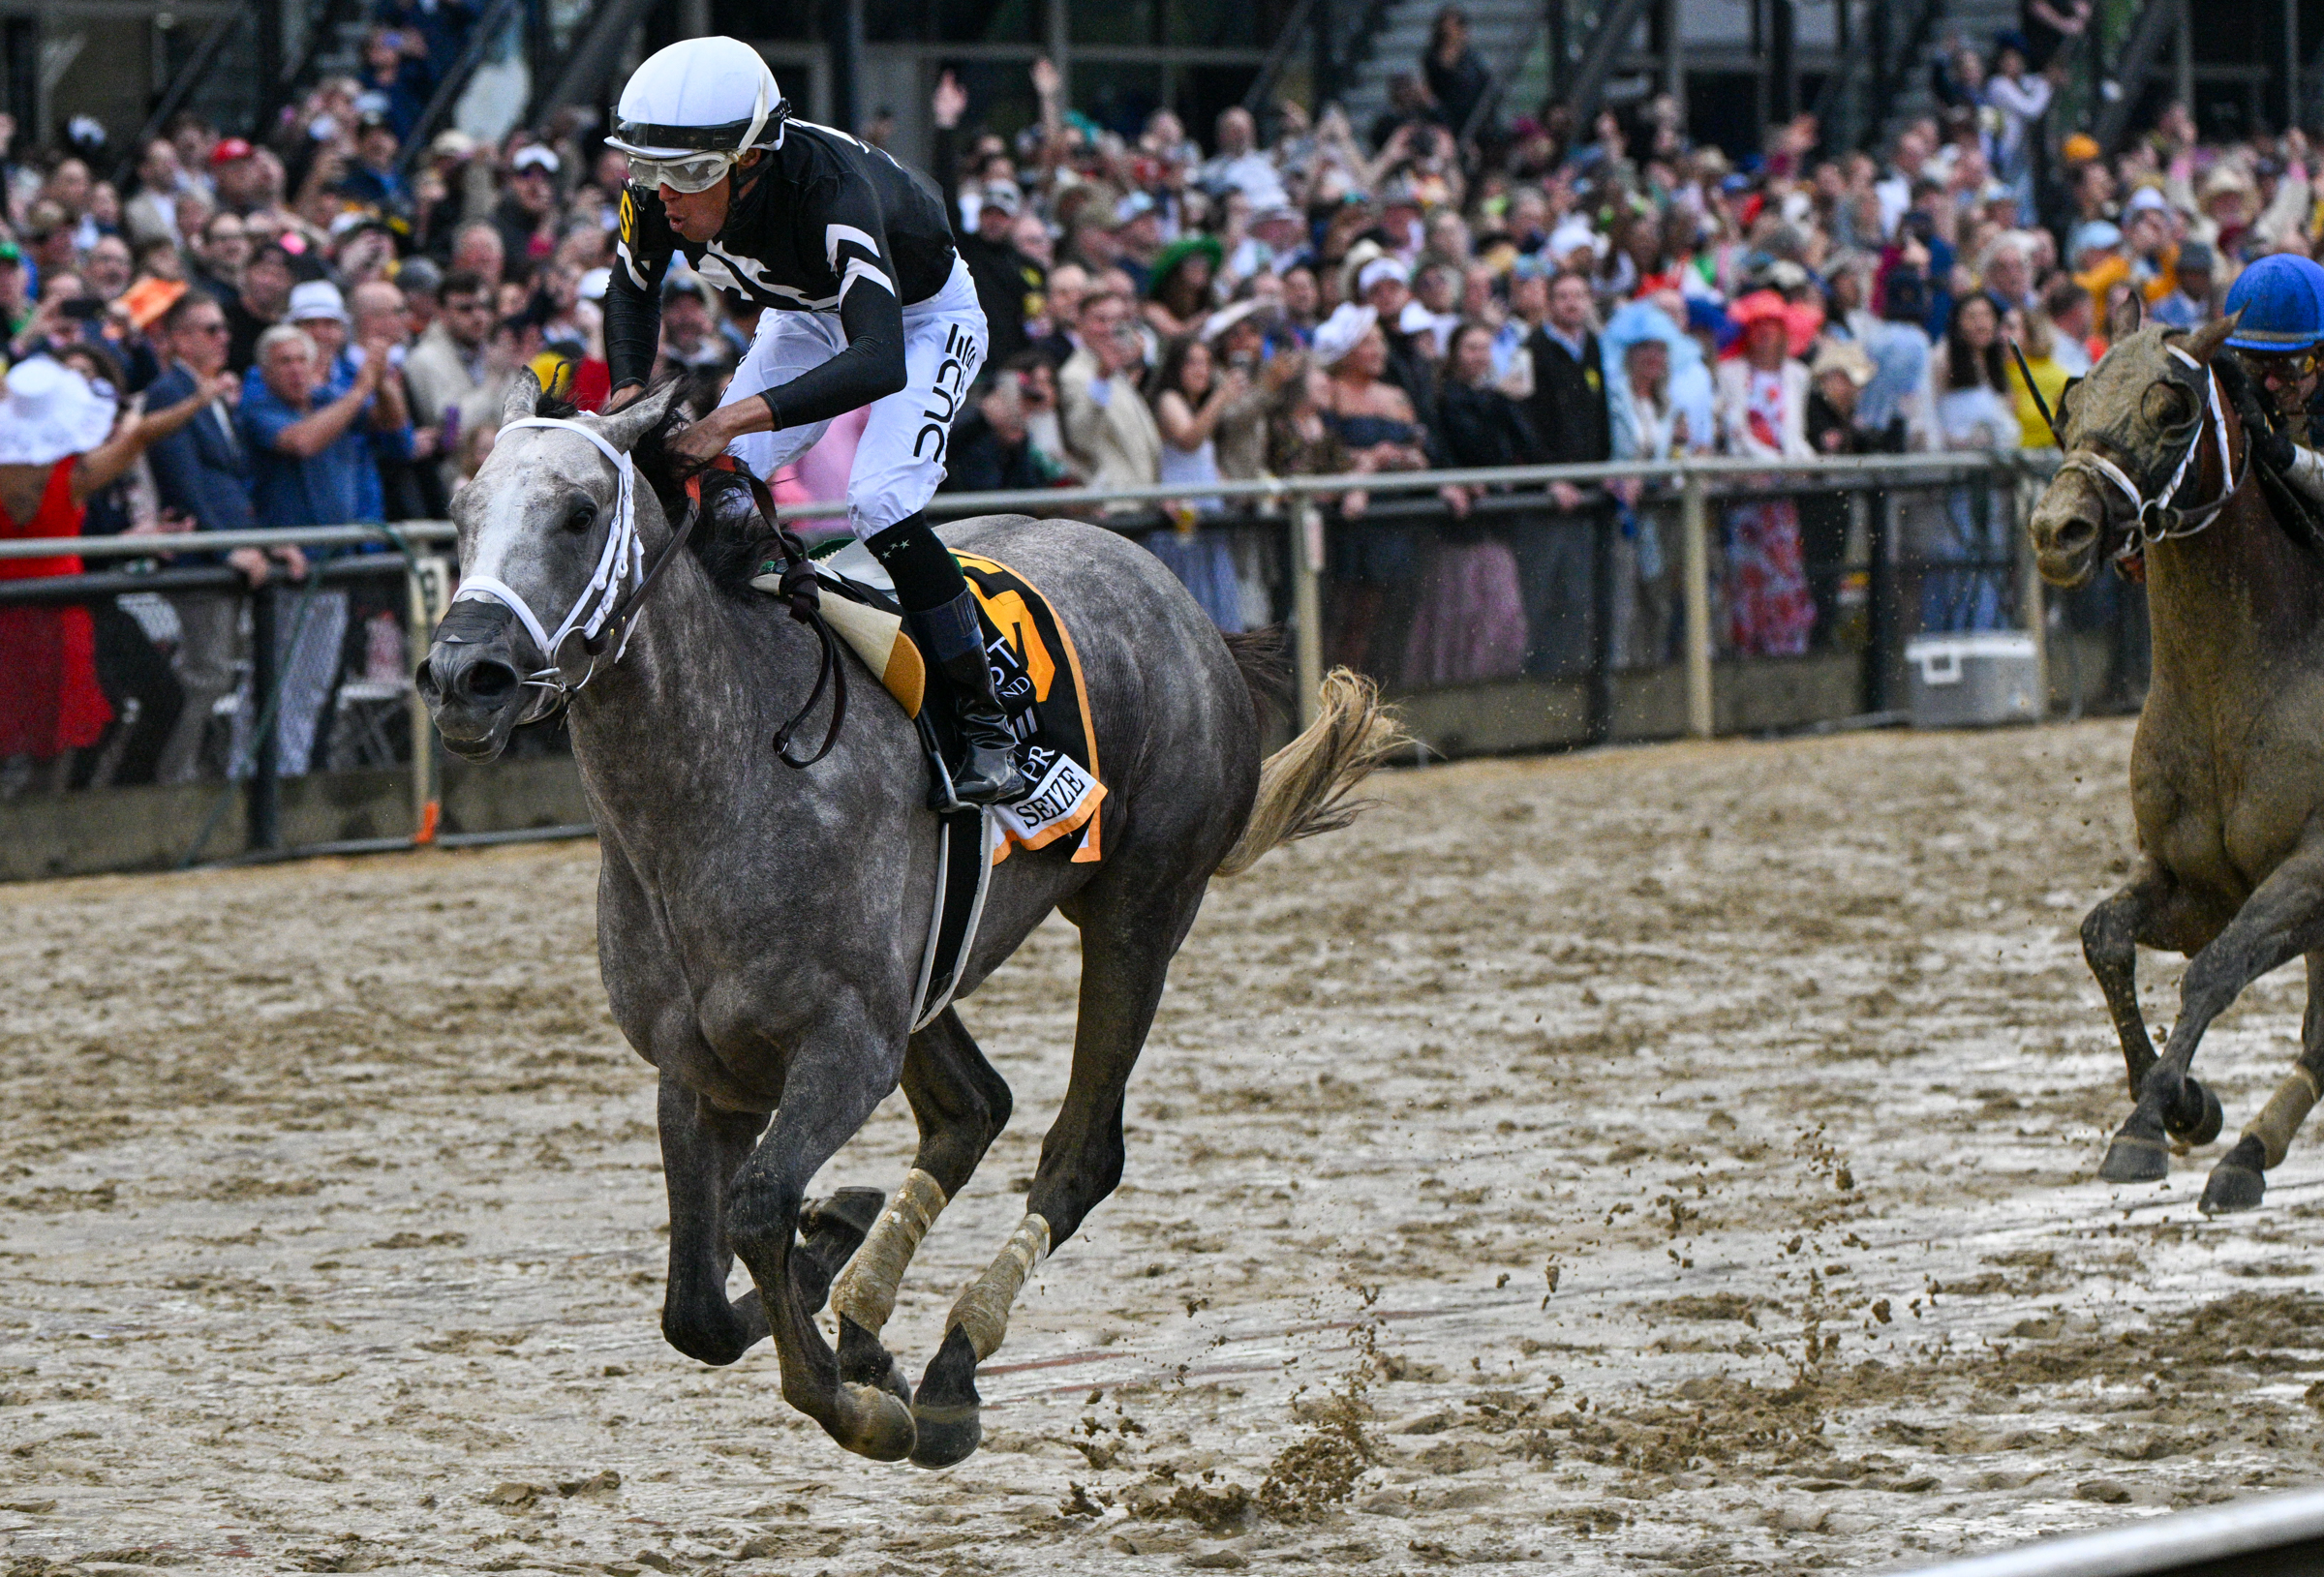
<point x="1694" y="567"/>
<point x="1307" y="523"/>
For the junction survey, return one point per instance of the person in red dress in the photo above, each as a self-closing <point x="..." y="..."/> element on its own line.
<point x="59" y="443"/>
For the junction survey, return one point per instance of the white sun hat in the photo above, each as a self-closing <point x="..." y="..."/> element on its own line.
<point x="50" y="411"/>
<point x="1341" y="332"/>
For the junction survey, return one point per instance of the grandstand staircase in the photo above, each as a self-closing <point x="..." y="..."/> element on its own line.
<point x="1974" y="22"/>
<point x="1376" y="39"/>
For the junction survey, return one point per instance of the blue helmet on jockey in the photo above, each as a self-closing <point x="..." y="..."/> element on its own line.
<point x="2282" y="299"/>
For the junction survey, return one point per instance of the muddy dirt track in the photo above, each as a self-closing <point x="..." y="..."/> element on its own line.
<point x="1667" y="1160"/>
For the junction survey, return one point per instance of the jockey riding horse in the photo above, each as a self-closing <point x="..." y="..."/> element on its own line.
<point x="2279" y="343"/>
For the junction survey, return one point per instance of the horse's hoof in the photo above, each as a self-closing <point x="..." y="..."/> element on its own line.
<point x="948" y="1435"/>
<point x="865" y="1361"/>
<point x="2236" y="1183"/>
<point x="830" y="1232"/>
<point x="874" y="1422"/>
<point x="844" y="1218"/>
<point x="2135" y="1158"/>
<point x="2195" y="1117"/>
<point x="948" y="1410"/>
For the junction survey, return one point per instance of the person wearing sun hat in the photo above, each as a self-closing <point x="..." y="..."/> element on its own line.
<point x="1178" y="287"/>
<point x="1762" y="410"/>
<point x="59" y="446"/>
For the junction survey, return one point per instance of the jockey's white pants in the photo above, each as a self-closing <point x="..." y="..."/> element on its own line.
<point x="901" y="458"/>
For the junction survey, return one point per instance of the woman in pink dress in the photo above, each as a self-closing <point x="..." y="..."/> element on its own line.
<point x="1763" y="410"/>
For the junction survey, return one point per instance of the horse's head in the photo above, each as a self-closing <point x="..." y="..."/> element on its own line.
<point x="539" y="538"/>
<point x="2140" y="410"/>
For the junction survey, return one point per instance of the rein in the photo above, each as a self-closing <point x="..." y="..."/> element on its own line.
<point x="2158" y="518"/>
<point x="802" y="593"/>
<point x="606" y="611"/>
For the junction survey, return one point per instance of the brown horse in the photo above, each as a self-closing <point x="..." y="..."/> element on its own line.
<point x="2227" y="769"/>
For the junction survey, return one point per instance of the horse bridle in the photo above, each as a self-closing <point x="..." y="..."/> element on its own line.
<point x="2155" y="514"/>
<point x="605" y="610"/>
<point x="611" y="592"/>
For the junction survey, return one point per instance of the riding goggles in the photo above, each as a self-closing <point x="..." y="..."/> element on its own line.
<point x="2286" y="367"/>
<point x="688" y="172"/>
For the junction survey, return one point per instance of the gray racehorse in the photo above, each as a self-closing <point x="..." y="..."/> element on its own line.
<point x="760" y="930"/>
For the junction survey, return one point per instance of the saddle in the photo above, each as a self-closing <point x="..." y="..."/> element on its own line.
<point x="1031" y="656"/>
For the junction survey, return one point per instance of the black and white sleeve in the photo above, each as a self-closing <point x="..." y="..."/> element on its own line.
<point x="846" y="222"/>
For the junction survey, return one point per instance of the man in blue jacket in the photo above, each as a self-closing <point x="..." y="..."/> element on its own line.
<point x="202" y="474"/>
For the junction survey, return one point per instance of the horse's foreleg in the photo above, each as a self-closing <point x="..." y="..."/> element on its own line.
<point x="2110" y="937"/>
<point x="961" y="1103"/>
<point x="2282" y="919"/>
<point x="701" y="1148"/>
<point x="834" y="1080"/>
<point x="1122" y="970"/>
<point x="2236" y="1183"/>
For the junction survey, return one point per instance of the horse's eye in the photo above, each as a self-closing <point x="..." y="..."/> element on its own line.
<point x="2167" y="403"/>
<point x="581" y="516"/>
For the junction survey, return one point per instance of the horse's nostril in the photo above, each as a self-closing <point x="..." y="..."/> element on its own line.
<point x="2076" y="533"/>
<point x="487" y="682"/>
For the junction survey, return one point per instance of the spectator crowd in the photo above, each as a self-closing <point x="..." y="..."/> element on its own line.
<point x="316" y="324"/>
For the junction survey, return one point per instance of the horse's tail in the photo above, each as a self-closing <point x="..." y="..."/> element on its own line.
<point x="1304" y="787"/>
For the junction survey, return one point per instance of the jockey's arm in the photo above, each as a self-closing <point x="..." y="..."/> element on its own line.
<point x="641" y="256"/>
<point x="870" y="368"/>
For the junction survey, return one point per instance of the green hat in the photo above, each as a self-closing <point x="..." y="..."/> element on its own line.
<point x="1178" y="252"/>
<point x="10" y="251"/>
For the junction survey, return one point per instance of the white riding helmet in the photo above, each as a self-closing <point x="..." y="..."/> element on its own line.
<point x="693" y="109"/>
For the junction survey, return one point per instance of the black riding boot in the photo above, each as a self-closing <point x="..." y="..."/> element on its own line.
<point x="941" y="613"/>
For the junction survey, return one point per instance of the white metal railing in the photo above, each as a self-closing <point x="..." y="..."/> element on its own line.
<point x="1299" y="499"/>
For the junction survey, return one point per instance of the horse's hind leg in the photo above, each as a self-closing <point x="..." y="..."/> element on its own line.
<point x="2282" y="919"/>
<point x="2110" y="937"/>
<point x="1124" y="961"/>
<point x="2236" y="1183"/>
<point x="961" y="1103"/>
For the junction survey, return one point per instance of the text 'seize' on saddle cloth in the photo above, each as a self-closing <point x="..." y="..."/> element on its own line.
<point x="1032" y="656"/>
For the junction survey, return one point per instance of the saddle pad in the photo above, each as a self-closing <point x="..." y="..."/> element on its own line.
<point x="1032" y="656"/>
<point x="1037" y="675"/>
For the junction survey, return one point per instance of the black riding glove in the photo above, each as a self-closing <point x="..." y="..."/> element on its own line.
<point x="2269" y="445"/>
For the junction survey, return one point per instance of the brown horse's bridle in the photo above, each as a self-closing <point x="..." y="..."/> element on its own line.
<point x="2154" y="511"/>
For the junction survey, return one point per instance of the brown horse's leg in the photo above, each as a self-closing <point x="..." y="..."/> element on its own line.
<point x="961" y="1103"/>
<point x="838" y="1072"/>
<point x="2236" y="1183"/>
<point x="2282" y="919"/>
<point x="1124" y="958"/>
<point x="2110" y="937"/>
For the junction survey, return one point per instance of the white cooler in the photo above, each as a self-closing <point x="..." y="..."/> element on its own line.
<point x="1974" y="680"/>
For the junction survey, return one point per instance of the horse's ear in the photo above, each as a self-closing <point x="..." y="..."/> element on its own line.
<point x="524" y="396"/>
<point x="640" y="416"/>
<point x="2206" y="340"/>
<point x="2128" y="316"/>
